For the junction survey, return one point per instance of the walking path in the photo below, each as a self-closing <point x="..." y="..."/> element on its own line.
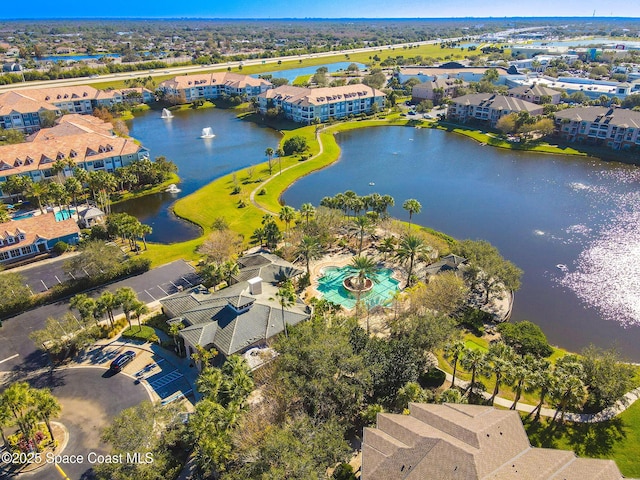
<point x="252" y="195"/>
<point x="602" y="416"/>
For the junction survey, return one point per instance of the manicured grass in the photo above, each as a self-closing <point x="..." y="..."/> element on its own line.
<point x="495" y="141"/>
<point x="617" y="439"/>
<point x="302" y="80"/>
<point x="144" y="333"/>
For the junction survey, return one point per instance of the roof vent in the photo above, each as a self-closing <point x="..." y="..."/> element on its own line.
<point x="255" y="285"/>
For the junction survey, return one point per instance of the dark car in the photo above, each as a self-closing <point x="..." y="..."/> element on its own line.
<point x="122" y="359"/>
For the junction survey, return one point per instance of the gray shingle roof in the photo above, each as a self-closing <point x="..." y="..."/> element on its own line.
<point x="535" y="90"/>
<point x="497" y="102"/>
<point x="449" y="262"/>
<point x="601" y="115"/>
<point x="467" y="442"/>
<point x="269" y="267"/>
<point x="217" y="319"/>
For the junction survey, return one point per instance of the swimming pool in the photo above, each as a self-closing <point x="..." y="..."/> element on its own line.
<point x="64" y="215"/>
<point x="330" y="286"/>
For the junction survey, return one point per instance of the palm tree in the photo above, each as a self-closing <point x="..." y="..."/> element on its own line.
<point x="47" y="407"/>
<point x="174" y="330"/>
<point x="365" y="268"/>
<point x="37" y="191"/>
<point x="57" y="168"/>
<point x="286" y="297"/>
<point x="209" y="382"/>
<point x="229" y="270"/>
<point x="4" y="213"/>
<point x="453" y="351"/>
<point x="412" y="206"/>
<point x="5" y="421"/>
<point x="388" y="245"/>
<point x="473" y="360"/>
<point x="543" y="380"/>
<point x="361" y="225"/>
<point x="280" y="154"/>
<point x="126" y="298"/>
<point x="74" y="188"/>
<point x="106" y="303"/>
<point x="143" y="231"/>
<point x="86" y="307"/>
<point x="140" y="308"/>
<point x="568" y="391"/>
<point x="499" y="358"/>
<point x="269" y="153"/>
<point x="307" y="210"/>
<point x="309" y="248"/>
<point x="409" y="248"/>
<point x="520" y="377"/>
<point x="287" y="215"/>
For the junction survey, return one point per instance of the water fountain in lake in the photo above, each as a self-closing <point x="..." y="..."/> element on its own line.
<point x="166" y="113"/>
<point x="207" y="132"/>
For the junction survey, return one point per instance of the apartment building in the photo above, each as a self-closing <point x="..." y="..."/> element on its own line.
<point x="436" y="89"/>
<point x="536" y="94"/>
<point x="488" y="107"/>
<point x="23" y="109"/>
<point x="304" y="105"/>
<point x="21" y="239"/>
<point x="82" y="141"/>
<point x="189" y="88"/>
<point x="616" y="128"/>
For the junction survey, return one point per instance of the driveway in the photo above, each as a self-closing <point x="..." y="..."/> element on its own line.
<point x="17" y="351"/>
<point x="90" y="398"/>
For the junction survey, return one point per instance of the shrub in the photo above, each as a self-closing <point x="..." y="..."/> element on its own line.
<point x="432" y="378"/>
<point x="262" y="191"/>
<point x="242" y="203"/>
<point x="525" y="337"/>
<point x="236" y="190"/>
<point x="60" y="247"/>
<point x="295" y="144"/>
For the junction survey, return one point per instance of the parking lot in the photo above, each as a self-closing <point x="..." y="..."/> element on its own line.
<point x="166" y="379"/>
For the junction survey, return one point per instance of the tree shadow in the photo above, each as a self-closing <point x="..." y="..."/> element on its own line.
<point x="596" y="439"/>
<point x="49" y="379"/>
<point x="585" y="439"/>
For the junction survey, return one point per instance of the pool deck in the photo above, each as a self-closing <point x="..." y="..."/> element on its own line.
<point x="341" y="258"/>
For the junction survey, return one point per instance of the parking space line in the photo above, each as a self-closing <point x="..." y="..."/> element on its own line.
<point x="10" y="358"/>
<point x="190" y="284"/>
<point x="163" y="290"/>
<point x="58" y="279"/>
<point x="154" y="298"/>
<point x="171" y="282"/>
<point x="71" y="274"/>
<point x="44" y="284"/>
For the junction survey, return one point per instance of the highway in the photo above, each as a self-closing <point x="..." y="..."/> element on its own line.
<point x="184" y="70"/>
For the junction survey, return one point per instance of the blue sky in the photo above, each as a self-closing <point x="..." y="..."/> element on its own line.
<point x="313" y="8"/>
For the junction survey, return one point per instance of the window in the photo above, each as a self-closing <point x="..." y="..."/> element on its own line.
<point x="4" y="255"/>
<point x="26" y="250"/>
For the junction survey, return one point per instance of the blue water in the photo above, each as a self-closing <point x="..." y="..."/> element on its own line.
<point x="64" y="215"/>
<point x="330" y="285"/>
<point x="77" y="58"/>
<point x="22" y="216"/>
<point x="291" y="74"/>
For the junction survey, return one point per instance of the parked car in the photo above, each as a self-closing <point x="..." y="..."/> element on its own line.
<point x="122" y="359"/>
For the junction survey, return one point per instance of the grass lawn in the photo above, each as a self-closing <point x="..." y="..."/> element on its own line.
<point x="617" y="439"/>
<point x="144" y="333"/>
<point x="302" y="80"/>
<point x="161" y="187"/>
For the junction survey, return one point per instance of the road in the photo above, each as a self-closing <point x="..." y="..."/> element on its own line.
<point x="17" y="351"/>
<point x="223" y="66"/>
<point x="90" y="397"/>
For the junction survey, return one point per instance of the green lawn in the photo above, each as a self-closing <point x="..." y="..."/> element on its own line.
<point x="618" y="439"/>
<point x="302" y="80"/>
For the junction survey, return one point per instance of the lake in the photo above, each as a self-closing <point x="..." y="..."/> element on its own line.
<point x="541" y="211"/>
<point x="237" y="144"/>
<point x="292" y="73"/>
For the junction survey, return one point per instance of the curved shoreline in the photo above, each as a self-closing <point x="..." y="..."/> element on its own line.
<point x="325" y="150"/>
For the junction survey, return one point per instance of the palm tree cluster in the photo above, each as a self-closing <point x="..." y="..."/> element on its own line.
<point x="71" y="183"/>
<point x="561" y="384"/>
<point x="217" y="415"/>
<point x="349" y="201"/>
<point x="25" y="407"/>
<point x="129" y="228"/>
<point x="268" y="234"/>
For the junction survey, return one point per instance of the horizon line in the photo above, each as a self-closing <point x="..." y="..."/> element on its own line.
<point x="316" y="18"/>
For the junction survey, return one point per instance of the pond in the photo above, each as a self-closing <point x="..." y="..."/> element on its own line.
<point x="292" y="73"/>
<point x="541" y="211"/>
<point x="237" y="144"/>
